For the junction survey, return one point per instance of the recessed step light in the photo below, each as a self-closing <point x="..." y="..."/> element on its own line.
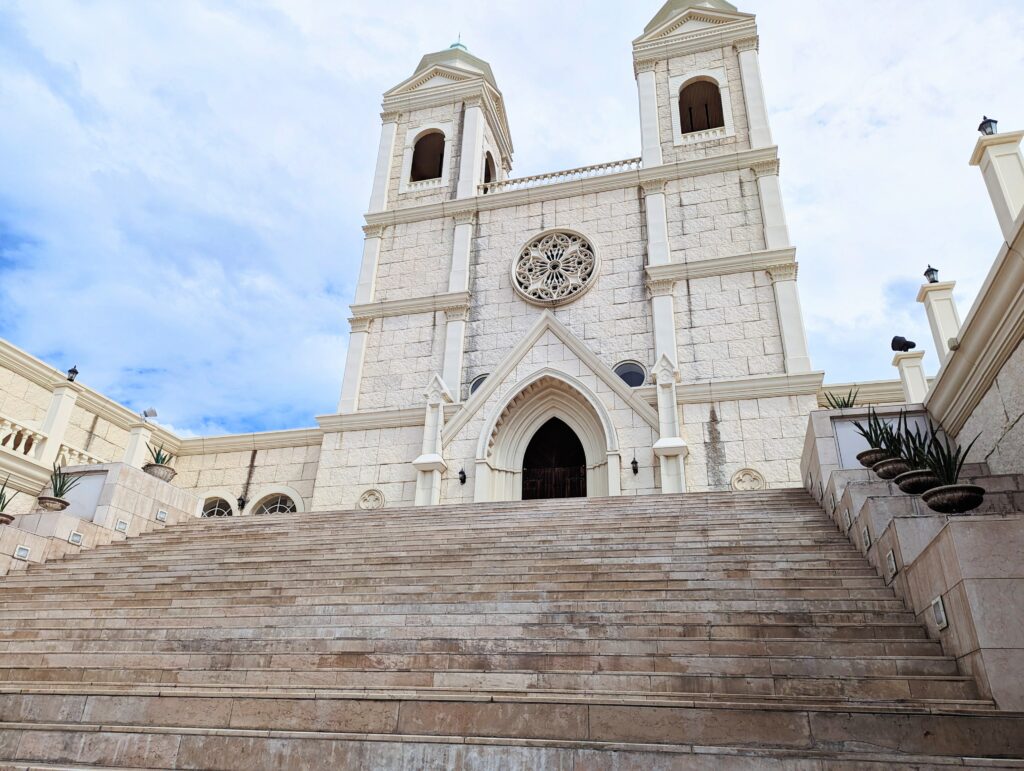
<point x="75" y="538"/>
<point x="22" y="552"/>
<point x="121" y="526"/>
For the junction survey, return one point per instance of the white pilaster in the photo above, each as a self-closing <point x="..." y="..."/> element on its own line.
<point x="471" y="161"/>
<point x="911" y="368"/>
<point x="1002" y="166"/>
<point x="753" y="92"/>
<point x="658" y="251"/>
<point x="136" y="452"/>
<point x="650" y="131"/>
<point x="385" y="152"/>
<point x="791" y="317"/>
<point x="943" y="317"/>
<point x="368" y="266"/>
<point x="454" y="343"/>
<point x="430" y="465"/>
<point x="773" y="216"/>
<point x="462" y="243"/>
<point x="354" y="365"/>
<point x="58" y="417"/>
<point x="670" y="449"/>
<point x="663" y="317"/>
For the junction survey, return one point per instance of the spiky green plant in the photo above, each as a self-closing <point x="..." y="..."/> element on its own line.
<point x="946" y="461"/>
<point x="916" y="444"/>
<point x="894" y="436"/>
<point x="60" y="483"/>
<point x="4" y="497"/>
<point x="874" y="431"/>
<point x="160" y="457"/>
<point x="840" y="402"/>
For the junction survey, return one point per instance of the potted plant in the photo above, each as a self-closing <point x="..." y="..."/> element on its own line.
<point x="161" y="465"/>
<point x="920" y="478"/>
<point x="6" y="519"/>
<point x="873" y="434"/>
<point x="893" y="441"/>
<point x="947" y="463"/>
<point x="60" y="485"/>
<point x="840" y="402"/>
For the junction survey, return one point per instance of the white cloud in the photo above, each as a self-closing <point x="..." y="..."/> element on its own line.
<point x="182" y="184"/>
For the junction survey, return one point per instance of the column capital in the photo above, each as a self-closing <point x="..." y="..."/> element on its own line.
<point x="660" y="287"/>
<point x="746" y="44"/>
<point x="473" y="101"/>
<point x="392" y="116"/>
<point x="765" y="168"/>
<point x="986" y="142"/>
<point x="785" y="271"/>
<point x="645" y="65"/>
<point x="373" y="231"/>
<point x="360" y="323"/>
<point x="456" y="312"/>
<point x="653" y="186"/>
<point x="467" y="217"/>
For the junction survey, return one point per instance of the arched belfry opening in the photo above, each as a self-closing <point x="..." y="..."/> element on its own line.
<point x="700" y="107"/>
<point x="428" y="157"/>
<point x="555" y="464"/>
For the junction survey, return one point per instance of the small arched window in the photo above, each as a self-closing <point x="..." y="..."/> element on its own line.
<point x="700" y="107"/>
<point x="217" y="507"/>
<point x="477" y="382"/>
<point x="428" y="157"/>
<point x="632" y="374"/>
<point x="488" y="168"/>
<point x="275" y="504"/>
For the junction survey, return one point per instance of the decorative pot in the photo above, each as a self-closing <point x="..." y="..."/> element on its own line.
<point x="49" y="503"/>
<point x="6" y="519"/>
<point x="917" y="481"/>
<point x="954" y="499"/>
<point x="869" y="458"/>
<point x="160" y="471"/>
<point x="890" y="468"/>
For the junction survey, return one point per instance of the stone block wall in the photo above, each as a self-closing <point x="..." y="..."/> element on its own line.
<point x="402" y="354"/>
<point x="714" y="215"/>
<point x="22" y="399"/>
<point x="998" y="420"/>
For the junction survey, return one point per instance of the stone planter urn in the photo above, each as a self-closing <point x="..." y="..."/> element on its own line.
<point x="160" y="471"/>
<point x="954" y="499"/>
<point x="49" y="503"/>
<point x="869" y="458"/>
<point x="6" y="519"/>
<point x="890" y="468"/>
<point x="917" y="481"/>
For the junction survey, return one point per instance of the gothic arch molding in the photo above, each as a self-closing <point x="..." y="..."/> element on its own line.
<point x="532" y="403"/>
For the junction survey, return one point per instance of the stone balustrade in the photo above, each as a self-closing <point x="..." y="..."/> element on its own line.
<point x="19" y="439"/>
<point x="72" y="456"/>
<point x="555" y="177"/>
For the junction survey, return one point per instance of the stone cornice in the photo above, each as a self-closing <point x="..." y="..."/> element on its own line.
<point x="722" y="36"/>
<point x="868" y="392"/>
<point x="268" y="440"/>
<point x="744" y="159"/>
<point x="720" y="266"/>
<point x="368" y="421"/>
<point x="804" y="384"/>
<point x="427" y="304"/>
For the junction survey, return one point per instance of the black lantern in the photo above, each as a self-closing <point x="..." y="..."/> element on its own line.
<point x="987" y="127"/>
<point x="932" y="274"/>
<point x="462" y="476"/>
<point x="72" y="373"/>
<point x="241" y="503"/>
<point x="902" y="345"/>
<point x="635" y="466"/>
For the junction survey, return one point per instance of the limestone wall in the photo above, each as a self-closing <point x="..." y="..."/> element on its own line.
<point x="998" y="420"/>
<point x="22" y="399"/>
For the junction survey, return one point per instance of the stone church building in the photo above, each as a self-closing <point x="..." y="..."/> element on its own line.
<point x="624" y="328"/>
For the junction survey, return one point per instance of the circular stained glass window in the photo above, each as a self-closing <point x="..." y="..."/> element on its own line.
<point x="554" y="268"/>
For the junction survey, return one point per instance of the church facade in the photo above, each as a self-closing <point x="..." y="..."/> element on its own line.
<point x="643" y="313"/>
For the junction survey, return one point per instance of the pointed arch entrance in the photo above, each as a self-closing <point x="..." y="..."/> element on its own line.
<point x="555" y="465"/>
<point x="533" y="403"/>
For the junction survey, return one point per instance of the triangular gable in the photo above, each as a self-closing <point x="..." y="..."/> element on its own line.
<point x="547" y="323"/>
<point x="434" y="76"/>
<point x="691" y="21"/>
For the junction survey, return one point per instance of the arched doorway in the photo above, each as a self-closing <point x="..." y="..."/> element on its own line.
<point x="555" y="464"/>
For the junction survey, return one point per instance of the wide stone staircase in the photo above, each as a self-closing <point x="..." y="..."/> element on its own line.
<point x="709" y="631"/>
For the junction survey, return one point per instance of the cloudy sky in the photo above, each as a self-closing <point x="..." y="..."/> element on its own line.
<point x="182" y="181"/>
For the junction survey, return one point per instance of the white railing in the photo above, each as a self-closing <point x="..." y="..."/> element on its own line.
<point x="72" y="456"/>
<point x="704" y="136"/>
<point x="554" y="177"/>
<point x="19" y="439"/>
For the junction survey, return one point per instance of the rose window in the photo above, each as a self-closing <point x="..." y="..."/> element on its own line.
<point x="554" y="268"/>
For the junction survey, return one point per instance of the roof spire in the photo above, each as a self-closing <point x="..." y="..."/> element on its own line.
<point x="458" y="44"/>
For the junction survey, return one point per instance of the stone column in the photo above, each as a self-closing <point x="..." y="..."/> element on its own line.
<point x="385" y="152"/>
<point x="368" y="266"/>
<point x="791" y="318"/>
<point x="999" y="158"/>
<point x="650" y="131"/>
<point x="58" y="417"/>
<point x="911" y="367"/>
<point x="753" y="92"/>
<point x="942" y="314"/>
<point x="360" y="328"/>
<point x="471" y="160"/>
<point x="137" y="452"/>
<point x="430" y="464"/>
<point x="776" y="234"/>
<point x="670" y="448"/>
<point x="663" y="316"/>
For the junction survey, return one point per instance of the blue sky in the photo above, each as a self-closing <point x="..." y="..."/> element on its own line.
<point x="182" y="183"/>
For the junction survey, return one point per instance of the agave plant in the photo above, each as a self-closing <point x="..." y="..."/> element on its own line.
<point x="4" y="497"/>
<point x="60" y="483"/>
<point x="894" y="437"/>
<point x="916" y="444"/>
<point x="840" y="402"/>
<point x="946" y="461"/>
<point x="160" y="457"/>
<point x="874" y="431"/>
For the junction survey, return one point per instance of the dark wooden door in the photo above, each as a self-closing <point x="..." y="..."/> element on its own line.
<point x="555" y="465"/>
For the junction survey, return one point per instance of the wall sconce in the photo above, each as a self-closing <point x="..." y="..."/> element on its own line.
<point x="462" y="476"/>
<point x="635" y="466"/>
<point x="932" y="274"/>
<point x="241" y="503"/>
<point x="988" y="126"/>
<point x="72" y="373"/>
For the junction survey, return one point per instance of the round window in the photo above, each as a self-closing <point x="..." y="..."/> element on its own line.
<point x="554" y="268"/>
<point x="632" y="374"/>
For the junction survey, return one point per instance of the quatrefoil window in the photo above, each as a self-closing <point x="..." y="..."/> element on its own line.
<point x="554" y="268"/>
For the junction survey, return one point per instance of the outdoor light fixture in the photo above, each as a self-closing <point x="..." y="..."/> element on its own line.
<point x="148" y="413"/>
<point x="902" y="345"/>
<point x="72" y="373"/>
<point x="241" y="503"/>
<point x="635" y="466"/>
<point x="462" y="476"/>
<point x="932" y="274"/>
<point x="988" y="126"/>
